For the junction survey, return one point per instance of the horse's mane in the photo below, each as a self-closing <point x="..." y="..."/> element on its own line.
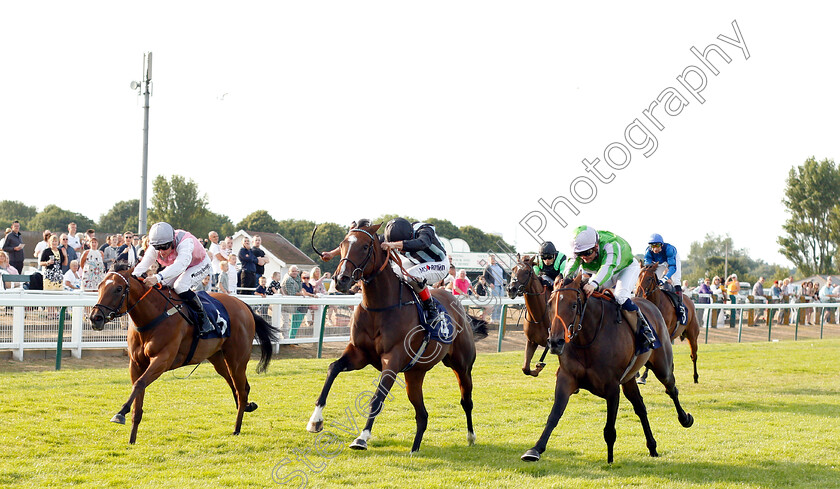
<point x="120" y="266"/>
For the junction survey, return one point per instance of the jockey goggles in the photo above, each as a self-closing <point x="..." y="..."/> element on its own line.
<point x="588" y="252"/>
<point x="164" y="246"/>
<point x="656" y="245"/>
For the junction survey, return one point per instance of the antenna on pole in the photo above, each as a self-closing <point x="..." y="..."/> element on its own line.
<point x="144" y="85"/>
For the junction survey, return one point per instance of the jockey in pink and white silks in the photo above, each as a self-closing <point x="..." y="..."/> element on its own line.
<point x="186" y="264"/>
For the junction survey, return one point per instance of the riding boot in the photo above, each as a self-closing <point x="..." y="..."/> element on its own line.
<point x="204" y="325"/>
<point x="638" y="319"/>
<point x="429" y="307"/>
<point x="681" y="311"/>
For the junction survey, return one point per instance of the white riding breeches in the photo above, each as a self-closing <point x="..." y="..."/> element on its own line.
<point x="623" y="282"/>
<point x="192" y="276"/>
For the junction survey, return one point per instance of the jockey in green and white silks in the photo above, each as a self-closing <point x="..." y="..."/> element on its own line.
<point x="609" y="260"/>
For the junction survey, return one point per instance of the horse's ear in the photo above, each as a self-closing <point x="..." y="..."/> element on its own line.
<point x="375" y="227"/>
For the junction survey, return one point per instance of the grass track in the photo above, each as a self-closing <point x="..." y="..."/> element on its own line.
<point x="766" y="416"/>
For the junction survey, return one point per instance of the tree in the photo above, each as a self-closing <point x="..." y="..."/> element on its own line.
<point x="710" y="257"/>
<point x="11" y="210"/>
<point x="214" y="222"/>
<point x="259" y="221"/>
<point x="56" y="219"/>
<point x="444" y="228"/>
<point x="812" y="197"/>
<point x="177" y="201"/>
<point x="123" y="216"/>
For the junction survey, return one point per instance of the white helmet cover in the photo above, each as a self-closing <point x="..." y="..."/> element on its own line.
<point x="161" y="233"/>
<point x="585" y="238"/>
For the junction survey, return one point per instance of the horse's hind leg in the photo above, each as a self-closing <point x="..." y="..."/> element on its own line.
<point x="218" y="361"/>
<point x="351" y="359"/>
<point x="693" y="333"/>
<point x="664" y="370"/>
<point x="631" y="392"/>
<point x="414" y="388"/>
<point x="464" y="375"/>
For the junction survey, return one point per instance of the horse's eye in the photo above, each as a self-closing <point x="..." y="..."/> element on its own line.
<point x="365" y="247"/>
<point x="119" y="289"/>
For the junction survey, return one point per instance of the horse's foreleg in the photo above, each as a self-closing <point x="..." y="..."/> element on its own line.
<point x="414" y="388"/>
<point x="530" y="349"/>
<point x="563" y="389"/>
<point x="609" y="427"/>
<point x="631" y="392"/>
<point x="157" y="366"/>
<point x="135" y="370"/>
<point x="351" y="359"/>
<point x="386" y="381"/>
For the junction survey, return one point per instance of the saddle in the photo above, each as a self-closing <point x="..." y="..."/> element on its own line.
<point x="444" y="329"/>
<point x="216" y="313"/>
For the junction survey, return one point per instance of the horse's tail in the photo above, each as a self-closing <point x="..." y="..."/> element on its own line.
<point x="479" y="327"/>
<point x="266" y="335"/>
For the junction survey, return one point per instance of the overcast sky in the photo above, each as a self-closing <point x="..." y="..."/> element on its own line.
<point x="466" y="111"/>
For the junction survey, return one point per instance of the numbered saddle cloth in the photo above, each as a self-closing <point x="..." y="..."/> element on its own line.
<point x="216" y="313"/>
<point x="443" y="330"/>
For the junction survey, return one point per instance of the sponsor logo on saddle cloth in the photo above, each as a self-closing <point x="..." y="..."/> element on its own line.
<point x="216" y="313"/>
<point x="443" y="330"/>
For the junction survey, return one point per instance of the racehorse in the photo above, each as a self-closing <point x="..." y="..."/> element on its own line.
<point x="385" y="333"/>
<point x="648" y="288"/>
<point x="600" y="356"/>
<point x="162" y="339"/>
<point x="523" y="281"/>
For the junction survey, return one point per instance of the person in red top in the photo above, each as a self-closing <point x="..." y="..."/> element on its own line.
<point x="186" y="265"/>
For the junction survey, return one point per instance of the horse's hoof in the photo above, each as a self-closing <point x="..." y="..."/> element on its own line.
<point x="359" y="444"/>
<point x="315" y="427"/>
<point x="251" y="407"/>
<point x="235" y="433"/>
<point x="641" y="381"/>
<point x="118" y="418"/>
<point x="689" y="420"/>
<point x="530" y="456"/>
<point x="471" y="438"/>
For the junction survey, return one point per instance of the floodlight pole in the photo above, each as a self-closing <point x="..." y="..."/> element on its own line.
<point x="147" y="78"/>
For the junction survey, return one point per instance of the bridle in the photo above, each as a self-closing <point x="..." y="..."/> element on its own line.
<point x="358" y="272"/>
<point x="520" y="289"/>
<point x="113" y="313"/>
<point x="646" y="292"/>
<point x="580" y="310"/>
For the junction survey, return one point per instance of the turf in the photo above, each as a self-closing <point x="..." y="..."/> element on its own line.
<point x="766" y="415"/>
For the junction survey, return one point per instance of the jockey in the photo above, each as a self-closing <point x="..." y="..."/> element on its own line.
<point x="608" y="260"/>
<point x="420" y="246"/>
<point x="186" y="265"/>
<point x="550" y="264"/>
<point x="670" y="270"/>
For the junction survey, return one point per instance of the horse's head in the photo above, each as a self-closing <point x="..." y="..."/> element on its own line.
<point x="359" y="250"/>
<point x="565" y="306"/>
<point x="114" y="291"/>
<point x="521" y="276"/>
<point x="647" y="284"/>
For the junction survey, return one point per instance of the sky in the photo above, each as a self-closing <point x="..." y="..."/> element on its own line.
<point x="474" y="112"/>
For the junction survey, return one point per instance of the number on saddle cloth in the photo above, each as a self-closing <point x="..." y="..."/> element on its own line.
<point x="443" y="330"/>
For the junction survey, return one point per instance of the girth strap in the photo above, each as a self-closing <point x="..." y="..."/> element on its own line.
<point x="419" y="354"/>
<point x="154" y="322"/>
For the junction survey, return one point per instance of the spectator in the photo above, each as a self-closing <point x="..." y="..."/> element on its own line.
<point x="261" y="289"/>
<point x="758" y="291"/>
<point x="42" y="245"/>
<point x="826" y="294"/>
<point x="291" y="285"/>
<point x="776" y="291"/>
<point x="111" y="252"/>
<point x="274" y="286"/>
<point x="93" y="265"/>
<point x="73" y="240"/>
<point x="733" y="287"/>
<point x="72" y="277"/>
<point x="227" y="249"/>
<point x="205" y="285"/>
<point x="481" y="287"/>
<point x="495" y="277"/>
<point x="51" y="262"/>
<point x="224" y="278"/>
<point x="810" y="294"/>
<point x="248" y="272"/>
<point x="64" y="241"/>
<point x="233" y="274"/>
<point x="716" y="288"/>
<point x="90" y="233"/>
<point x="128" y="252"/>
<point x="82" y="239"/>
<point x="106" y="244"/>
<point x="462" y="285"/>
<point x="317" y="280"/>
<point x="3" y="241"/>
<point x="6" y="269"/>
<point x="703" y="289"/>
<point x="448" y="280"/>
<point x="13" y="246"/>
<point x="216" y="256"/>
<point x="144" y="245"/>
<point x="257" y="250"/>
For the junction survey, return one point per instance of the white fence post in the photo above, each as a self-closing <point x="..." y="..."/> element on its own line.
<point x="77" y="316"/>
<point x="17" y="332"/>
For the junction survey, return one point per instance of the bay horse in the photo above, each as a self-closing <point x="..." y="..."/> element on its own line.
<point x="523" y="281"/>
<point x="161" y="339"/>
<point x="600" y="356"/>
<point x="385" y="333"/>
<point x="648" y="288"/>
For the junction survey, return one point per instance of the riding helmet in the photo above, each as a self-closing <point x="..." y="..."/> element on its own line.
<point x="398" y="229"/>
<point x="547" y="250"/>
<point x="586" y="238"/>
<point x="655" y="238"/>
<point x="161" y="233"/>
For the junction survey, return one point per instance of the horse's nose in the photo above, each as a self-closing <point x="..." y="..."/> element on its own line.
<point x="512" y="292"/>
<point x="342" y="283"/>
<point x="97" y="321"/>
<point x="555" y="344"/>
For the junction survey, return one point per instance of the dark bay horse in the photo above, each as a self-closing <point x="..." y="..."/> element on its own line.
<point x="523" y="281"/>
<point x="385" y="333"/>
<point x="648" y="288"/>
<point x="600" y="356"/>
<point x="161" y="340"/>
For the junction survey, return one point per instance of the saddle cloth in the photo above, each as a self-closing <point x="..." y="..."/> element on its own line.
<point x="444" y="329"/>
<point x="216" y="313"/>
<point x="640" y="339"/>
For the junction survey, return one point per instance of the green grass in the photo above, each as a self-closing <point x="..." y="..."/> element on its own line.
<point x="766" y="415"/>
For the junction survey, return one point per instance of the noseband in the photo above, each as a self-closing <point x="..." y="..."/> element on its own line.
<point x="358" y="272"/>
<point x="113" y="313"/>
<point x="520" y="289"/>
<point x="580" y="310"/>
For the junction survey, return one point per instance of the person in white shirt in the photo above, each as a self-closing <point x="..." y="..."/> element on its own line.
<point x="42" y="245"/>
<point x="72" y="240"/>
<point x="73" y="277"/>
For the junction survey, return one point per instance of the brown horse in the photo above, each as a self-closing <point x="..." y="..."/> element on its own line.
<point x="523" y="281"/>
<point x="385" y="333"/>
<point x="162" y="339"/>
<point x="648" y="288"/>
<point x="600" y="356"/>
